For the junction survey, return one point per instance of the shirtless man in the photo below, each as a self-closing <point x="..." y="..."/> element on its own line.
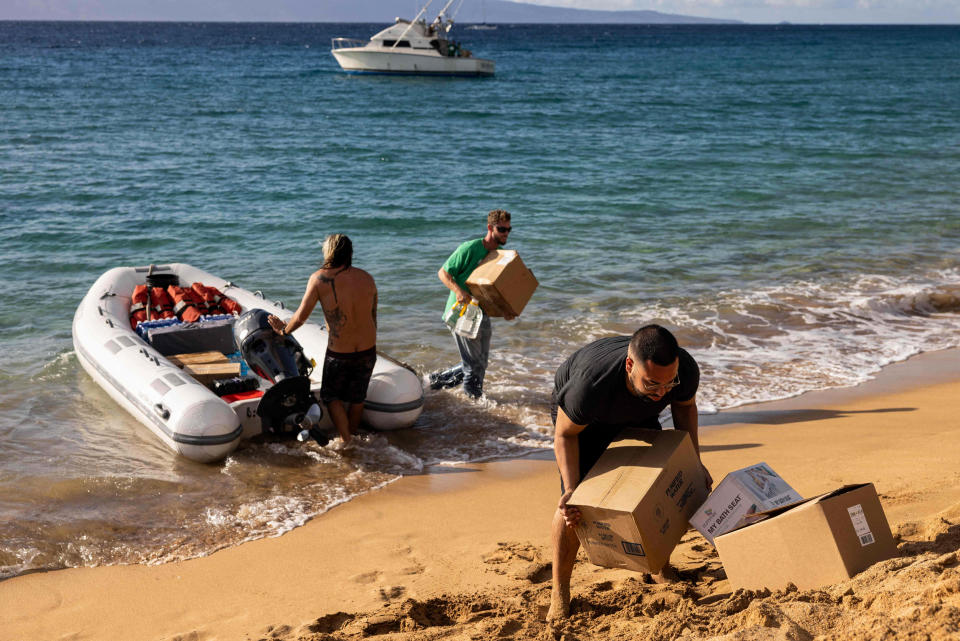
<point x="348" y="297"/>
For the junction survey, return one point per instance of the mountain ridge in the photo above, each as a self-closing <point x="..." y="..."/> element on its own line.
<point x="376" y="11"/>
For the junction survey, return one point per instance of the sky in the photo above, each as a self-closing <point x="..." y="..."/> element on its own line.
<point x="754" y="11"/>
<point x="800" y="11"/>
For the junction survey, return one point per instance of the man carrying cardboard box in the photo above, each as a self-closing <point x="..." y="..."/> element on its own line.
<point x="474" y="352"/>
<point x="603" y="388"/>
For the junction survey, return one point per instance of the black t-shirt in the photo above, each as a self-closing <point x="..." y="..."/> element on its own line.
<point x="591" y="387"/>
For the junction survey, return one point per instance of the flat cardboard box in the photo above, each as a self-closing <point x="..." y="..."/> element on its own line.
<point x="824" y="540"/>
<point x="502" y="283"/>
<point x="741" y="493"/>
<point x="637" y="499"/>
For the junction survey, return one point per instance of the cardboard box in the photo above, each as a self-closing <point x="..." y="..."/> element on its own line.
<point x="741" y="493"/>
<point x="502" y="283"/>
<point x="636" y="500"/>
<point x="820" y="541"/>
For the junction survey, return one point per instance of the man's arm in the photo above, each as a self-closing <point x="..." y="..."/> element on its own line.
<point x="685" y="419"/>
<point x="463" y="296"/>
<point x="309" y="301"/>
<point x="566" y="447"/>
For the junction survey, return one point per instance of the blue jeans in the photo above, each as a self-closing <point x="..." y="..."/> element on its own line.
<point x="474" y="354"/>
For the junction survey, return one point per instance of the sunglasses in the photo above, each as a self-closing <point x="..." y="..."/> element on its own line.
<point x="650" y="387"/>
<point x="503" y="230"/>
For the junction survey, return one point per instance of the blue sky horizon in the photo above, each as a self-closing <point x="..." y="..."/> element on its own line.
<point x="750" y="11"/>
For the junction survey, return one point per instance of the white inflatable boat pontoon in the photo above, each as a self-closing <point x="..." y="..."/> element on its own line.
<point x="183" y="412"/>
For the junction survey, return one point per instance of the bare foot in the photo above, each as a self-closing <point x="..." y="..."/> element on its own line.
<point x="559" y="604"/>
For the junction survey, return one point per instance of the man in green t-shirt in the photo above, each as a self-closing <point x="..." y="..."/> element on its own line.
<point x="474" y="352"/>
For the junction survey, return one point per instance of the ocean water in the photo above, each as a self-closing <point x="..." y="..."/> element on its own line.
<point x="784" y="198"/>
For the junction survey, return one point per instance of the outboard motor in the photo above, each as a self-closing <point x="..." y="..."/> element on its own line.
<point x="288" y="408"/>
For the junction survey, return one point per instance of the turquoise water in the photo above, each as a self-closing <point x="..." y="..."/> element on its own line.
<point x="785" y="198"/>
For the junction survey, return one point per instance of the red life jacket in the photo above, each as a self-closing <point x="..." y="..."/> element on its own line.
<point x="216" y="302"/>
<point x="187" y="305"/>
<point x="161" y="306"/>
<point x="156" y="298"/>
<point x="211" y="302"/>
<point x="138" y="306"/>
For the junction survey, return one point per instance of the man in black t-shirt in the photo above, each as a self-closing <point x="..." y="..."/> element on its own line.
<point x="609" y="385"/>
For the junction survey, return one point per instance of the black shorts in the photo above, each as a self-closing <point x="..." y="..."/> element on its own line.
<point x="346" y="376"/>
<point x="594" y="439"/>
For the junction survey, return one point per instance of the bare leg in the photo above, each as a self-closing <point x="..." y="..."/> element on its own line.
<point x="565" y="546"/>
<point x="338" y="414"/>
<point x="353" y="416"/>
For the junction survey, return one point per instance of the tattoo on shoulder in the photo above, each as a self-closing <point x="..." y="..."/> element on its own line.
<point x="376" y="298"/>
<point x="331" y="280"/>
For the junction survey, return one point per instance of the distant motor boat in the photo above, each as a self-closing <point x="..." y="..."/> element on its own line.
<point x="411" y="47"/>
<point x="483" y="26"/>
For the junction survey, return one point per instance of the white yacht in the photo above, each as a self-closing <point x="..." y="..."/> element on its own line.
<point x="411" y="47"/>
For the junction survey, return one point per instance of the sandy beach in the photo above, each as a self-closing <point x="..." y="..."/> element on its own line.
<point x="463" y="552"/>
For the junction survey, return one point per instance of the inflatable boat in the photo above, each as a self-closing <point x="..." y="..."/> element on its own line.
<point x="146" y="367"/>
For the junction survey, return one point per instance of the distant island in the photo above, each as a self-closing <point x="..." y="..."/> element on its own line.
<point x="503" y="11"/>
<point x="376" y="11"/>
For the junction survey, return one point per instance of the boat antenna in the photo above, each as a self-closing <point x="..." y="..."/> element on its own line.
<point x="444" y="12"/>
<point x="412" y="22"/>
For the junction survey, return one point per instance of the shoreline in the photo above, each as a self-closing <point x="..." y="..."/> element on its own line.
<point x="484" y="527"/>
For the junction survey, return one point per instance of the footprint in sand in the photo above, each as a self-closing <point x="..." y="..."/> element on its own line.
<point x="366" y="577"/>
<point x="415" y="568"/>
<point x="394" y="592"/>
<point x="519" y="559"/>
<point x="278" y="631"/>
<point x="412" y="569"/>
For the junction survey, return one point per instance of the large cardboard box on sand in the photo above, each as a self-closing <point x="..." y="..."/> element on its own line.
<point x="740" y="494"/>
<point x="502" y="283"/>
<point x="824" y="540"/>
<point x="636" y="500"/>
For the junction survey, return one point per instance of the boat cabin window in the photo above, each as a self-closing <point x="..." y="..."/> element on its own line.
<point x="402" y="43"/>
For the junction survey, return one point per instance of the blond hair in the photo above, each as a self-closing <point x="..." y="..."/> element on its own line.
<point x="337" y="251"/>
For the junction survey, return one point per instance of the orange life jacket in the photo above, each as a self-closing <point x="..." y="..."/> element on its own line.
<point x="156" y="298"/>
<point x="138" y="305"/>
<point x="216" y="302"/>
<point x="161" y="305"/>
<point x="188" y="306"/>
<point x="211" y="302"/>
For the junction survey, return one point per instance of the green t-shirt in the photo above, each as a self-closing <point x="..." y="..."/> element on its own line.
<point x="461" y="264"/>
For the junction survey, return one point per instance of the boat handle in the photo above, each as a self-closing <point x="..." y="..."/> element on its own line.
<point x="162" y="411"/>
<point x="150" y="357"/>
<point x="258" y="294"/>
<point x="279" y="303"/>
<point x="109" y="322"/>
<point x="100" y="309"/>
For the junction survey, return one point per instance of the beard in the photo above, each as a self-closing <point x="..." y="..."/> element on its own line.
<point x="639" y="393"/>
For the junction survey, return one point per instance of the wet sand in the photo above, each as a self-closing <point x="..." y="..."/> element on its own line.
<point x="463" y="553"/>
